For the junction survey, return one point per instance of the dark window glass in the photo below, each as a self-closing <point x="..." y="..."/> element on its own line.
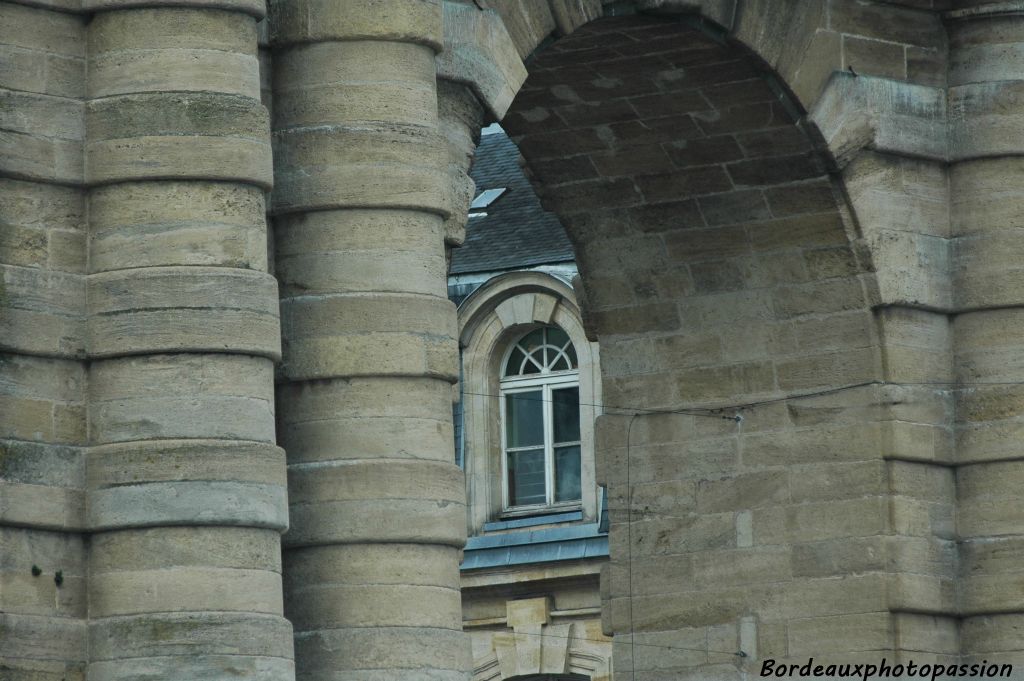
<point x="567" y="473"/>
<point x="526" y="477"/>
<point x="524" y="414"/>
<point x="566" y="413"/>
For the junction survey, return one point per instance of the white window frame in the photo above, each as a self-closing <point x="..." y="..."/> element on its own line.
<point x="547" y="382"/>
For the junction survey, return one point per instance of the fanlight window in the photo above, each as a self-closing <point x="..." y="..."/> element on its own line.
<point x="541" y="422"/>
<point x="544" y="351"/>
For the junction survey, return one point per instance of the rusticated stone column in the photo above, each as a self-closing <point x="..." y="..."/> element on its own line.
<point x="42" y="345"/>
<point x="186" y="488"/>
<point x="987" y="209"/>
<point x="364" y="396"/>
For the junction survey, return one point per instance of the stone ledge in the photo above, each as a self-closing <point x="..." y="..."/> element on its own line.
<point x="479" y="53"/>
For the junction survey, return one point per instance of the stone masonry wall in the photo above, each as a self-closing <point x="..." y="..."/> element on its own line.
<point x="42" y="344"/>
<point x="817" y="526"/>
<point x="768" y="198"/>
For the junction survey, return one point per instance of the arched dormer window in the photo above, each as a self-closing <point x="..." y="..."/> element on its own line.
<point x="512" y="317"/>
<point x="540" y="392"/>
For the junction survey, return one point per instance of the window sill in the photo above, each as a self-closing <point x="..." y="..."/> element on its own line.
<point x="510" y="521"/>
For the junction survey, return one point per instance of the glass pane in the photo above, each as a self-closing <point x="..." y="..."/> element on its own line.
<point x="571" y="351"/>
<point x="567" y="473"/>
<point x="557" y="337"/>
<point x="533" y="367"/>
<point x="532" y="340"/>
<point x="524" y="414"/>
<point x="560" y="364"/>
<point x="566" y="410"/>
<point x="526" y="477"/>
<point x="515" y="360"/>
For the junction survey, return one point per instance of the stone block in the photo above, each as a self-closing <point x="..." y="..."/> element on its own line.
<point x="752" y="490"/>
<point x="982" y="118"/>
<point x="991" y="634"/>
<point x="189" y="634"/>
<point x="838" y="557"/>
<point x="181" y="396"/>
<point x="315" y="417"/>
<point x="35" y="28"/>
<point x="874" y="57"/>
<point x="43" y="638"/>
<point x="887" y="22"/>
<point x="199" y="135"/>
<point x="480" y="52"/>
<point x="984" y="50"/>
<point x="178" y="309"/>
<point x="419" y="22"/>
<point x="834" y="481"/>
<point x="160" y="224"/>
<point x="340" y="336"/>
<point x="443" y="653"/>
<point x="862" y="517"/>
<point x="173" y="49"/>
<point x="361" y="166"/>
<point x="841" y="634"/>
<point x="407" y="502"/>
<point x="814" y="230"/>
<point x="324" y="84"/>
<point x="684" y="183"/>
<point x="187" y="483"/>
<point x="812" y="446"/>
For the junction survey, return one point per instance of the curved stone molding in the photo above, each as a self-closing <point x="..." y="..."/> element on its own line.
<point x="985" y="119"/>
<point x="172" y="49"/>
<point x="461" y="117"/>
<point x="479" y="52"/>
<point x="42" y="312"/>
<point x="160" y="224"/>
<point x="178" y="136"/>
<point x="406" y="170"/>
<point x="497" y="290"/>
<point x="192" y="633"/>
<point x="171" y="309"/>
<point x="856" y="112"/>
<point x="408" y="335"/>
<point x="310" y="96"/>
<point x="189" y="482"/>
<point x="407" y="501"/>
<point x="313" y="418"/>
<point x="490" y="319"/>
<point x="402" y="649"/>
<point x="256" y="8"/>
<point x="181" y="397"/>
<point x="359" y="251"/>
<point x="292" y="21"/>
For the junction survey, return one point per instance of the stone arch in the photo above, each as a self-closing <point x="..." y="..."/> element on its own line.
<point x="490" y="319"/>
<point x="738" y="269"/>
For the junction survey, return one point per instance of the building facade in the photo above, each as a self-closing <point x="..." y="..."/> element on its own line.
<point x="229" y="354"/>
<point x="529" y="395"/>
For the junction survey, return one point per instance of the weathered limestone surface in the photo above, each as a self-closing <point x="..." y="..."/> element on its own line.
<point x="363" y="180"/>
<point x="186" y="488"/>
<point x="985" y="121"/>
<point x="734" y="248"/>
<point x="43" y="339"/>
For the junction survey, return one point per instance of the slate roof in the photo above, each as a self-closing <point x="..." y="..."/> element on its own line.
<point x="517" y="232"/>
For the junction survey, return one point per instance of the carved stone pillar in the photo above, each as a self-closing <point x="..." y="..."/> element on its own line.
<point x="986" y="79"/>
<point x="186" y="488"/>
<point x="364" y="395"/>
